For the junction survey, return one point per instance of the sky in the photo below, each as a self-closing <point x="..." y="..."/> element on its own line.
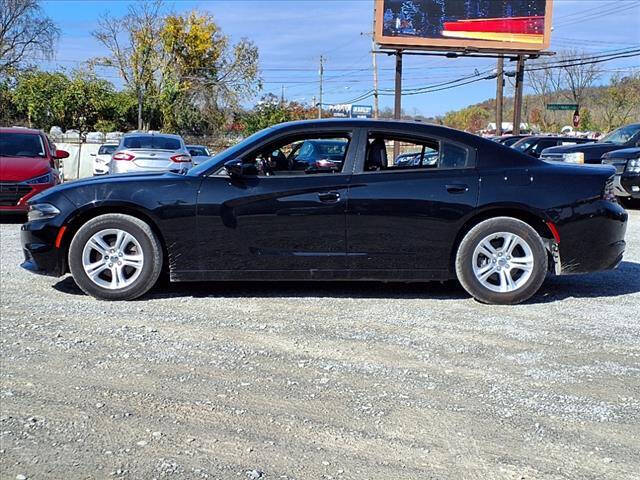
<point x="292" y="34"/>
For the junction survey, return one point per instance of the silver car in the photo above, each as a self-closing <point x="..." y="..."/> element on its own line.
<point x="150" y="152"/>
<point x="199" y="153"/>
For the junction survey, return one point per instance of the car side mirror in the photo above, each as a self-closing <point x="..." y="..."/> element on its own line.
<point x="60" y="154"/>
<point x="238" y="169"/>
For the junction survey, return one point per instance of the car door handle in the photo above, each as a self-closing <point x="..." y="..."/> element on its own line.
<point x="329" y="197"/>
<point x="457" y="188"/>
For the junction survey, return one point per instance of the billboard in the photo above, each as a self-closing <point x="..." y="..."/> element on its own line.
<point x="347" y="110"/>
<point x="488" y="25"/>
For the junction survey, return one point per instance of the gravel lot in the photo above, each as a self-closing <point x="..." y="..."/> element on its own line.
<point x="310" y="381"/>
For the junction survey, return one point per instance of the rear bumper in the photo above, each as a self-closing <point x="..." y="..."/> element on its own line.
<point x="40" y="254"/>
<point x="592" y="239"/>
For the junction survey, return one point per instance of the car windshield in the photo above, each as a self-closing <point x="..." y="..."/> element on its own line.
<point x="523" y="144"/>
<point x="334" y="148"/>
<point x="107" y="149"/>
<point x="151" y="142"/>
<point x="231" y="153"/>
<point x="622" y="135"/>
<point x="21" y="145"/>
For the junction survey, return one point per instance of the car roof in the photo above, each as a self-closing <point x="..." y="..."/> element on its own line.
<point x="33" y="131"/>
<point x="196" y="146"/>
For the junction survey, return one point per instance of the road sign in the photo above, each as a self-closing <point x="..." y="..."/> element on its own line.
<point x="562" y="106"/>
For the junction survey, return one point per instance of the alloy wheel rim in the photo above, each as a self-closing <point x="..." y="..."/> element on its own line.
<point x="112" y="258"/>
<point x="503" y="262"/>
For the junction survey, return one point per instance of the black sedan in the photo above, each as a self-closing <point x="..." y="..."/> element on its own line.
<point x="534" y="145"/>
<point x="623" y="137"/>
<point x="483" y="213"/>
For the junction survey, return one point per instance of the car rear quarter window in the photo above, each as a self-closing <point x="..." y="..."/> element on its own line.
<point x="151" y="142"/>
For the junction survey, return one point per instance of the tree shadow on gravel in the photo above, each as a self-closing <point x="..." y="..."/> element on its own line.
<point x="622" y="281"/>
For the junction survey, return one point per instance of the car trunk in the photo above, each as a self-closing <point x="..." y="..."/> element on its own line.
<point x="153" y="159"/>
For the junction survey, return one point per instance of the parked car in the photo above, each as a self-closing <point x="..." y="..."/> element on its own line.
<point x="624" y="137"/>
<point x="534" y="145"/>
<point x="627" y="179"/>
<point x="103" y="158"/>
<point x="315" y="155"/>
<point x="508" y="140"/>
<point x="199" y="153"/>
<point x="29" y="164"/>
<point x="150" y="152"/>
<point x="227" y="219"/>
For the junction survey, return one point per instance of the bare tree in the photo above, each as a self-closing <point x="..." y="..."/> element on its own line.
<point x="24" y="32"/>
<point x="546" y="82"/>
<point x="578" y="75"/>
<point x="133" y="43"/>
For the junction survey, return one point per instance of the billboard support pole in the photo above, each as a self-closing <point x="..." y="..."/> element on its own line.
<point x="517" y="101"/>
<point x="499" y="94"/>
<point x="397" y="110"/>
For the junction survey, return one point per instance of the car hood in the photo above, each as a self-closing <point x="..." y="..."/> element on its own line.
<point x="624" y="153"/>
<point x="19" y="169"/>
<point x="597" y="148"/>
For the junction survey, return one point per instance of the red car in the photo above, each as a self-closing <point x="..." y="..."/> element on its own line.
<point x="29" y="164"/>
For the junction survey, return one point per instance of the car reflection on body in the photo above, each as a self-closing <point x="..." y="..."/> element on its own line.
<point x="488" y="215"/>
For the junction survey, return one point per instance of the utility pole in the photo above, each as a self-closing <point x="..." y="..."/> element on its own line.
<point x="517" y="100"/>
<point x="321" y="75"/>
<point x="397" y="112"/>
<point x="499" y="94"/>
<point x="375" y="71"/>
<point x="282" y="95"/>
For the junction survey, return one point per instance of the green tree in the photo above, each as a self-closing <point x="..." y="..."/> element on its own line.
<point x="619" y="100"/>
<point x="39" y="96"/>
<point x="86" y="100"/>
<point x="271" y="111"/>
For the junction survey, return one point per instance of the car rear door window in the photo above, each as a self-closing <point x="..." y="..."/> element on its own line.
<point x="393" y="152"/>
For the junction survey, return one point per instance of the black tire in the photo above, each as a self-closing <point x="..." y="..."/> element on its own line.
<point x="465" y="259"/>
<point x="151" y="249"/>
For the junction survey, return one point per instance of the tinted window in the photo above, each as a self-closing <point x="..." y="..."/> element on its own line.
<point x="390" y="152"/>
<point x="454" y="157"/>
<point x="152" y="142"/>
<point x="21" y="145"/>
<point x="107" y="149"/>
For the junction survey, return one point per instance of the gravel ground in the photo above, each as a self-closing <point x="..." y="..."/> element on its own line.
<point x="311" y="381"/>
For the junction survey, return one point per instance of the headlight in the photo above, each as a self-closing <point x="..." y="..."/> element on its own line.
<point x="576" y="157"/>
<point x="633" y="166"/>
<point x="41" y="211"/>
<point x="46" y="178"/>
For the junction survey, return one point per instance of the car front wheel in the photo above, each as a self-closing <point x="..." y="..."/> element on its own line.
<point x="115" y="257"/>
<point x="501" y="261"/>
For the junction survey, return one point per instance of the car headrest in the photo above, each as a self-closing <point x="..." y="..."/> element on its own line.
<point x="377" y="156"/>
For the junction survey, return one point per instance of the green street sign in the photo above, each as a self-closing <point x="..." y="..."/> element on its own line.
<point x="562" y="106"/>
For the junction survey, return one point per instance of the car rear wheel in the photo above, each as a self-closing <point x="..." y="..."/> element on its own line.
<point x="501" y="261"/>
<point x="115" y="257"/>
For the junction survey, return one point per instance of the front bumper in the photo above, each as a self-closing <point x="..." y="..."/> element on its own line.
<point x="630" y="183"/>
<point x="592" y="237"/>
<point x="40" y="253"/>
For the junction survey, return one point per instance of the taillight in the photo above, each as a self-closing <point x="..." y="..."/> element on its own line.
<point x="181" y="158"/>
<point x="123" y="156"/>
<point x="608" y="193"/>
